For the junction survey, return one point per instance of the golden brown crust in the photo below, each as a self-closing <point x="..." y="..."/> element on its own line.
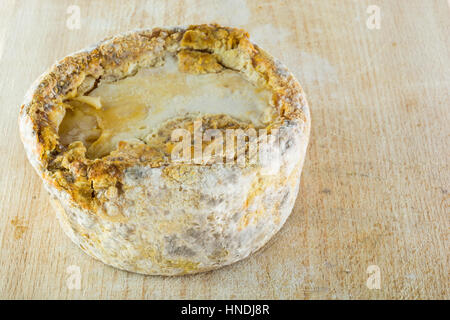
<point x="200" y="48"/>
<point x="197" y="62"/>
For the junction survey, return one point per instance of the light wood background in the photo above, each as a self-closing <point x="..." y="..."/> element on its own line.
<point x="375" y="187"/>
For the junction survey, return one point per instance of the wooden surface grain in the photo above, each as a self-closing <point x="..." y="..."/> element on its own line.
<point x="375" y="187"/>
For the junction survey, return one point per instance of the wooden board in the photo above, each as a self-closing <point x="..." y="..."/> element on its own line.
<point x="375" y="187"/>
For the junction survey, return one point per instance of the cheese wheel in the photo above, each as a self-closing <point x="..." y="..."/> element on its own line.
<point x="169" y="151"/>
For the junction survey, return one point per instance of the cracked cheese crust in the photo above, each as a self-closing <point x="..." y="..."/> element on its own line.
<point x="133" y="209"/>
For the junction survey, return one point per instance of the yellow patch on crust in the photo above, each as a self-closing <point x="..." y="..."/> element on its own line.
<point x="155" y="256"/>
<point x="197" y="62"/>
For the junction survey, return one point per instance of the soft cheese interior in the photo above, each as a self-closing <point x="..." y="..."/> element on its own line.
<point x="136" y="107"/>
